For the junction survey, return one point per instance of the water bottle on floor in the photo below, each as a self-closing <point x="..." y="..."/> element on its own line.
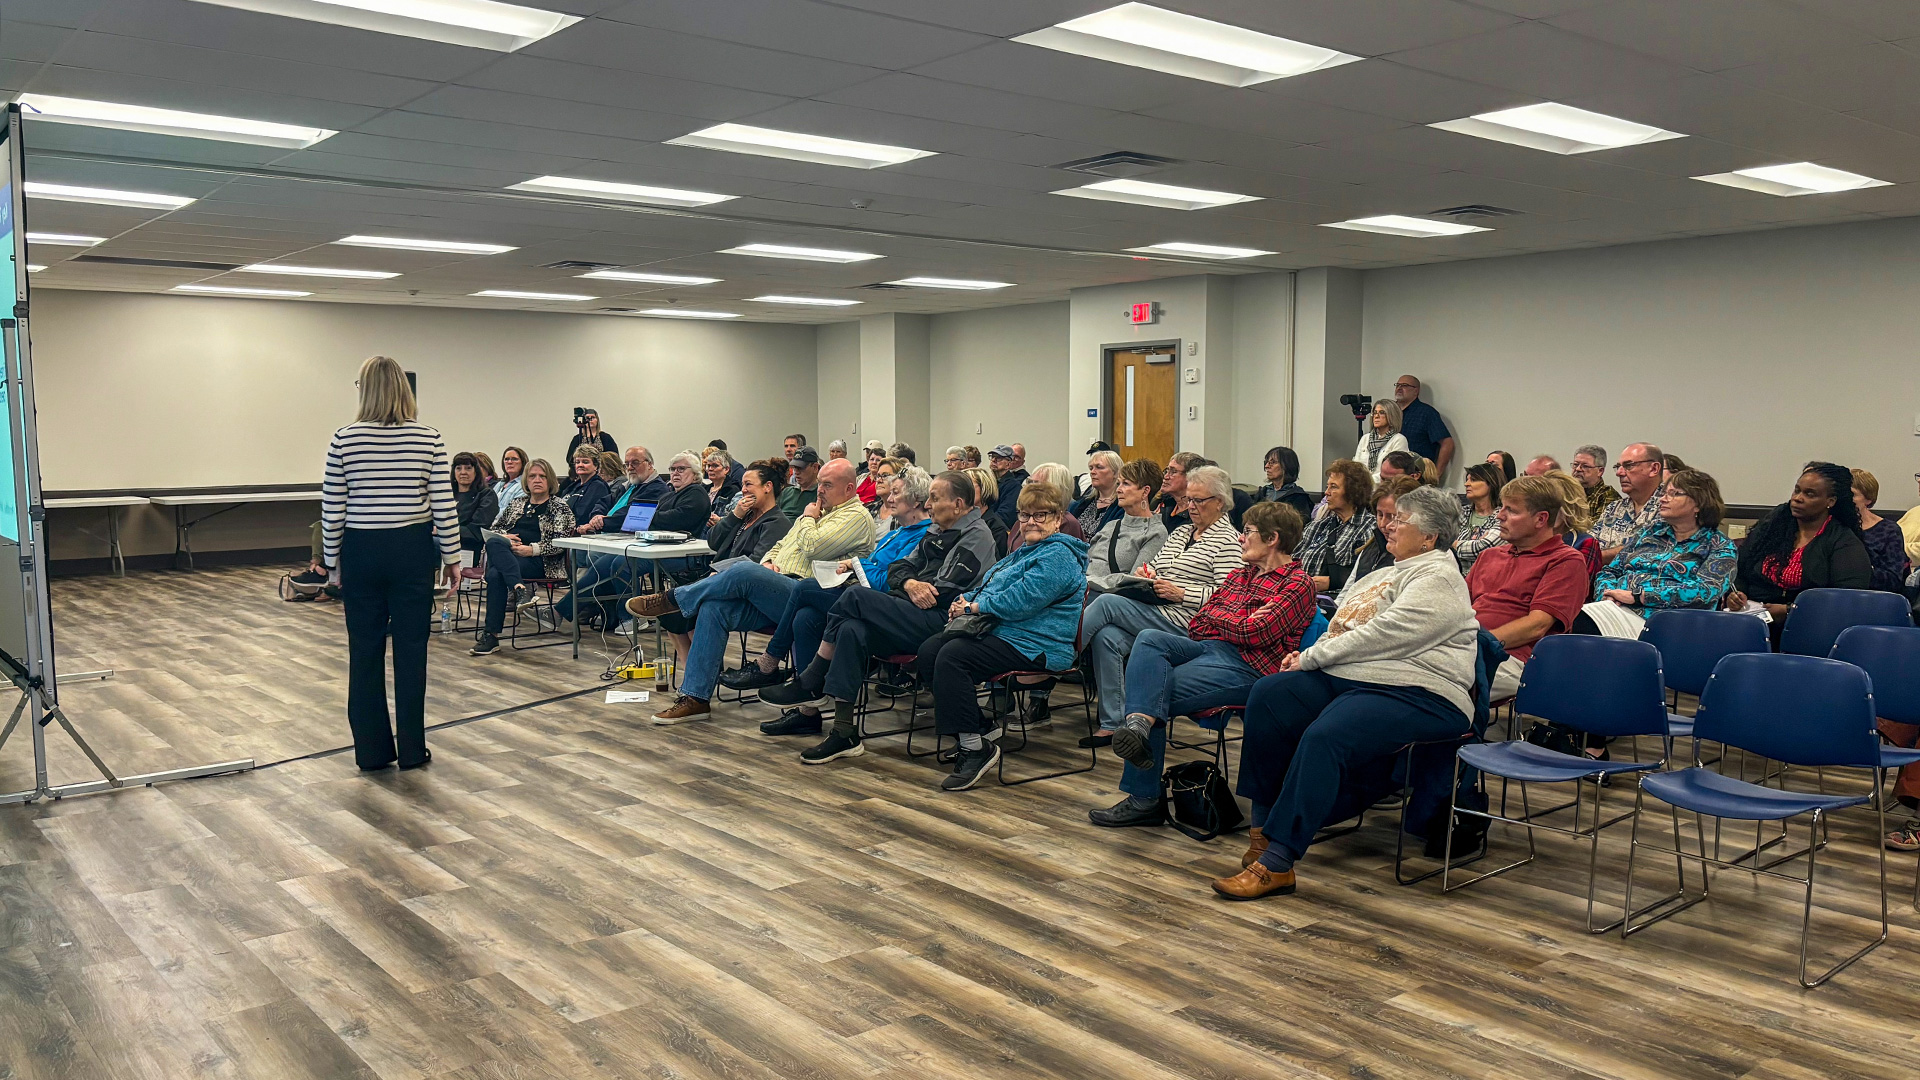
<point x="446" y="616"/>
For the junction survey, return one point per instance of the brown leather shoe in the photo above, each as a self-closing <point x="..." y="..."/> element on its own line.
<point x="652" y="605"/>
<point x="1255" y="882"/>
<point x="681" y="711"/>
<point x="1256" y="847"/>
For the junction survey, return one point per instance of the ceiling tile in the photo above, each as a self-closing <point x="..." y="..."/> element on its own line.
<point x="621" y="47"/>
<point x="829" y="31"/>
<point x="1541" y="63"/>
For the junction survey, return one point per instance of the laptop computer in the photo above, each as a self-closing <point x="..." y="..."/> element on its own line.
<point x="640" y="518"/>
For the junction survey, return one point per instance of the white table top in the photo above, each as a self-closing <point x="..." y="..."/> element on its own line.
<point x="236" y="497"/>
<point x="623" y="545"/>
<point x="96" y="500"/>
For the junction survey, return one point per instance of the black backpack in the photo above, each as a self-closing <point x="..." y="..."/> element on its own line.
<point x="1199" y="802"/>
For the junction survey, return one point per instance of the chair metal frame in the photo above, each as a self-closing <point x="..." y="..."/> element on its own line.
<point x="1017" y="711"/>
<point x="543" y="596"/>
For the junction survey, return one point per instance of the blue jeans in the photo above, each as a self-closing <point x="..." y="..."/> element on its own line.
<point x="800" y="627"/>
<point x="745" y="596"/>
<point x="1108" y="627"/>
<point x="607" y="581"/>
<point x="1169" y="675"/>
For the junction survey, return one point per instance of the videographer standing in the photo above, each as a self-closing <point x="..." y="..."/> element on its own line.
<point x="1426" y="433"/>
<point x="588" y="423"/>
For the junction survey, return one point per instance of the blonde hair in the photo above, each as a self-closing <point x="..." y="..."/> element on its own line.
<point x="610" y="466"/>
<point x="1579" y="516"/>
<point x="385" y="396"/>
<point x="984" y="483"/>
<point x="1867" y="484"/>
<point x="1054" y="474"/>
<point x="1543" y="494"/>
<point x="546" y="470"/>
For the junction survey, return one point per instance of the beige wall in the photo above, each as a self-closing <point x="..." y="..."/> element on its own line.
<point x="1004" y="370"/>
<point x="837" y="360"/>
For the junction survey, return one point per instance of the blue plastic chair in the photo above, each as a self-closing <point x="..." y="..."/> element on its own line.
<point x="1801" y="710"/>
<point x="1890" y="655"/>
<point x="1819" y="615"/>
<point x="1599" y="685"/>
<point x="1691" y="641"/>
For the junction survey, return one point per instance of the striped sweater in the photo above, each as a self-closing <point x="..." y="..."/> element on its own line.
<point x="386" y="477"/>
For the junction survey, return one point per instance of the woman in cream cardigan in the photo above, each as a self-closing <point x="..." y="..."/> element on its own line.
<point x="1382" y="438"/>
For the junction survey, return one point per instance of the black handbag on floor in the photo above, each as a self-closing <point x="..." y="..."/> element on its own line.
<point x="1199" y="802"/>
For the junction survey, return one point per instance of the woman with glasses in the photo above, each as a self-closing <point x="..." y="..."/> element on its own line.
<point x="1282" y="467"/>
<point x="1383" y="437"/>
<point x="1681" y="561"/>
<point x="1334" y="538"/>
<point x="507" y="487"/>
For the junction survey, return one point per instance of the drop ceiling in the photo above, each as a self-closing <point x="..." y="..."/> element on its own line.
<point x="431" y="134"/>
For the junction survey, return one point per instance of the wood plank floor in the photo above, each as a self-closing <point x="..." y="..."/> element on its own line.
<point x="571" y="892"/>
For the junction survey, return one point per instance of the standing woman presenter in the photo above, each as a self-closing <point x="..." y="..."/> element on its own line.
<point x="388" y="521"/>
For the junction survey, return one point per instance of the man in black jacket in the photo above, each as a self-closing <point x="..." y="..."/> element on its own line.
<point x="1009" y="464"/>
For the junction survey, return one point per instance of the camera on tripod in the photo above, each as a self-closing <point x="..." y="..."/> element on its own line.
<point x="580" y="417"/>
<point x="1361" y="404"/>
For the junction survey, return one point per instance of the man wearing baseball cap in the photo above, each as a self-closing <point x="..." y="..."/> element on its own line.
<point x="1008" y="461"/>
<point x="800" y="486"/>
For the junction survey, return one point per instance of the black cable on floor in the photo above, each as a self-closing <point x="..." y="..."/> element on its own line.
<point x="508" y="711"/>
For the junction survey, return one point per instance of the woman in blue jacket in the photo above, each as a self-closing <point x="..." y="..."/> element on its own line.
<point x="1034" y="594"/>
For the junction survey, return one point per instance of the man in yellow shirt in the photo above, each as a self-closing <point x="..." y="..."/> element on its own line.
<point x="1910" y="531"/>
<point x="833" y="527"/>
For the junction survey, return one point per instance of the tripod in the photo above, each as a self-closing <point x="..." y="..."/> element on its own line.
<point x="45" y="711"/>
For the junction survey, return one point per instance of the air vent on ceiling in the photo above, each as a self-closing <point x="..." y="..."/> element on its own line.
<point x="175" y="264"/>
<point x="883" y="285"/>
<point x="1121" y="164"/>
<point x="1474" y="210"/>
<point x="579" y="264"/>
<point x="618" y="310"/>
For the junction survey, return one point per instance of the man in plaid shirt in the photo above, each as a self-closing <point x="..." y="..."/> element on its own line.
<point x="1240" y="634"/>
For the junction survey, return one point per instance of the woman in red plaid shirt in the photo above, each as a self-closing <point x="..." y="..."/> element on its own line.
<point x="1240" y="634"/>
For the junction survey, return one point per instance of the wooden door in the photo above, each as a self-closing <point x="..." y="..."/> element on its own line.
<point x="1142" y="405"/>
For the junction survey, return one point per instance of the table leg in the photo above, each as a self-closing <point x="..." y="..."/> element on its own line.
<point x="182" y="539"/>
<point x="114" y="557"/>
<point x="573" y="589"/>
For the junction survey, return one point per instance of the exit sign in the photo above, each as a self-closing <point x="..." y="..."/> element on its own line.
<point x="1142" y="314"/>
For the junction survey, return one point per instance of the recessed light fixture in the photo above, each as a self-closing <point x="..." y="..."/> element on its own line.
<point x="636" y="193"/>
<point x="482" y="24"/>
<point x="951" y="283"/>
<point x="315" y="271"/>
<point x="110" y="114"/>
<point x="1557" y="129"/>
<point x="1799" y="178"/>
<point x="796" y="146"/>
<point x="1141" y="35"/>
<point x="806" y="301"/>
<point x="804" y="254"/>
<point x="687" y="313"/>
<point x="1202" y="251"/>
<point x="64" y="239"/>
<point x="1167" y="196"/>
<point x="451" y="247"/>
<point x="235" y="290"/>
<point x="34" y="268"/>
<point x="649" y="278"/>
<point x="1402" y="225"/>
<point x="105" y="196"/>
<point x="520" y="294"/>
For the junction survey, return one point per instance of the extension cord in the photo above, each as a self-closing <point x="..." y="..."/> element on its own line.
<point x="634" y="671"/>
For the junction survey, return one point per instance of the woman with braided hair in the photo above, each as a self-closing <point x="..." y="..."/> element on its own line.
<point x="1811" y="541"/>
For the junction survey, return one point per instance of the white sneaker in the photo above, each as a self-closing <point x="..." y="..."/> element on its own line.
<point x="626" y="628"/>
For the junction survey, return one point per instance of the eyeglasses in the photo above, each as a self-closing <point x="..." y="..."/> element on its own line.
<point x="1405" y="386"/>
<point x="1631" y="464"/>
<point x="1041" y="516"/>
<point x="679" y="468"/>
<point x="1588" y="467"/>
<point x="1194" y="500"/>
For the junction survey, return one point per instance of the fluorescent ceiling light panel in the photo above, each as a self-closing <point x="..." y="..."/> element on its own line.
<point x="316" y="271"/>
<point x="109" y="114"/>
<point x="519" y="294"/>
<point x="64" y="239"/>
<point x="803" y="254"/>
<point x="795" y="146"/>
<point x="480" y="24"/>
<point x="1799" y="178"/>
<point x="398" y="243"/>
<point x="1202" y="251"/>
<point x="1402" y="225"/>
<point x="1167" y="196"/>
<point x="1141" y="35"/>
<point x="685" y="313"/>
<point x="650" y="279"/>
<point x="635" y="193"/>
<point x="951" y="283"/>
<point x="105" y="196"/>
<point x="234" y="290"/>
<point x="806" y="301"/>
<point x="1557" y="129"/>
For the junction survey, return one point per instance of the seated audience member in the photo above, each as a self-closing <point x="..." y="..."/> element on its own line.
<point x="1385" y="504"/>
<point x="837" y="450"/>
<point x="1255" y="618"/>
<point x="644" y="484"/>
<point x="873" y="448"/>
<point x="903" y="452"/>
<point x="1886" y="546"/>
<point x="1505" y="461"/>
<point x="869" y="490"/>
<point x="1034" y="596"/>
<point x="1083" y="484"/>
<point x="1579" y="522"/>
<point x="1098" y="503"/>
<point x="608" y="579"/>
<point x="1282" y="466"/>
<point x="1681" y="561"/>
<point x="1194" y="560"/>
<point x="1533" y="584"/>
<point x="747" y="530"/>
<point x="885" y="473"/>
<point x="522" y="547"/>
<point x="1173" y="489"/>
<point x="791" y="445"/>
<point x="1383" y="437"/>
<point x="798" y="630"/>
<point x="474" y="502"/>
<point x="1590" y="468"/>
<point x="974" y="460"/>
<point x="907" y="605"/>
<point x="1395" y="665"/>
<point x="1642" y="469"/>
<point x="717" y="471"/>
<point x="1811" y="541"/>
<point x="586" y="494"/>
<point x="1481" y="504"/>
<point x="488" y="475"/>
<point x="957" y="459"/>
<point x="1334" y="539"/>
<point x="1672" y="463"/>
<point x="988" y="490"/>
<point x="609" y="575"/>
<point x="734" y="471"/>
<point x="614" y="473"/>
<point x="746" y="595"/>
<point x="1910" y="530"/>
<point x="799" y="493"/>
<point x="1130" y="541"/>
<point x="1008" y="461"/>
<point x="588" y="434"/>
<point x="1541" y="466"/>
<point x="1057" y="475"/>
<point x="513" y="462"/>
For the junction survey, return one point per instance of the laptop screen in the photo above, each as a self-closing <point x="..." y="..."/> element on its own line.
<point x="639" y="517"/>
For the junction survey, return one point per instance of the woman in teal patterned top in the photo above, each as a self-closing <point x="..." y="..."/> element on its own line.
<point x="1682" y="560"/>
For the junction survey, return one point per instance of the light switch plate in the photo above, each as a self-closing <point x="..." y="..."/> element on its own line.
<point x="1193" y="412"/>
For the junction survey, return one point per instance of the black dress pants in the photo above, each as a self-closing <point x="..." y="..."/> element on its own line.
<point x="387" y="583"/>
<point x="865" y="623"/>
<point x="955" y="666"/>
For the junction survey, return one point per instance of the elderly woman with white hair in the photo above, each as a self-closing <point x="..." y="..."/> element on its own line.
<point x="1055" y="474"/>
<point x="683" y="509"/>
<point x="1395" y="665"/>
<point x="1383" y="437"/>
<point x="1101" y="503"/>
<point x="1194" y="561"/>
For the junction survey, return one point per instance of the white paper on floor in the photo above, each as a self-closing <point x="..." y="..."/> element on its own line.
<point x="617" y="697"/>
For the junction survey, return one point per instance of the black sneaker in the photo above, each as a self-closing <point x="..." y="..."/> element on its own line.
<point x="1128" y="813"/>
<point x="969" y="766"/>
<point x="1039" y="712"/>
<point x="791" y="692"/>
<point x="752" y="678"/>
<point x="835" y="745"/>
<point x="487" y="645"/>
<point x="309" y="577"/>
<point x="794" y="722"/>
